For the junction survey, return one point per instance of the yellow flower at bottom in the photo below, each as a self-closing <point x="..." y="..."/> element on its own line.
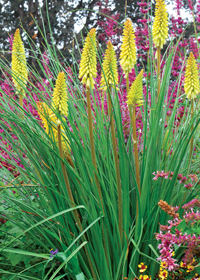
<point x="135" y="93"/>
<point x="164" y="265"/>
<point x="197" y="276"/>
<point x="191" y="84"/>
<point x="183" y="265"/>
<point x="163" y="274"/>
<point x="145" y="277"/>
<point x="49" y="121"/>
<point x="190" y="268"/>
<point x="142" y="267"/>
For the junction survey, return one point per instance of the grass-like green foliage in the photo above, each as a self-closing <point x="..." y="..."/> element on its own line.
<point x="49" y="219"/>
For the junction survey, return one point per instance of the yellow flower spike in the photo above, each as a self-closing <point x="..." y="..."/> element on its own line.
<point x="128" y="48"/>
<point x="47" y="116"/>
<point x="88" y="64"/>
<point x="109" y="73"/>
<point x="19" y="68"/>
<point x="49" y="121"/>
<point x="160" y="25"/>
<point x="60" y="95"/>
<point x="191" y="84"/>
<point x="135" y="93"/>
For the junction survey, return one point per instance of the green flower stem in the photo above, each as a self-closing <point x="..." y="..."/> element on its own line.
<point x="129" y="106"/>
<point x="71" y="196"/>
<point x="119" y="189"/>
<point x="63" y="168"/>
<point x="95" y="164"/>
<point x="192" y="140"/>
<point x="127" y="84"/>
<point x="195" y="30"/>
<point x="92" y="144"/>
<point x="158" y="71"/>
<point x="21" y="104"/>
<point x="21" y="100"/>
<point x="136" y="150"/>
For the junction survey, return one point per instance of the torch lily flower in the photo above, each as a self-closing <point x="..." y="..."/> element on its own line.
<point x="160" y="25"/>
<point x="88" y="64"/>
<point x="128" y="48"/>
<point x="60" y="95"/>
<point x="19" y="68"/>
<point x="109" y="75"/>
<point x="191" y="84"/>
<point x="135" y="94"/>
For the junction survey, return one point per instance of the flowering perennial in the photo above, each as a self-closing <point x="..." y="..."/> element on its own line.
<point x="19" y="68"/>
<point x="168" y="209"/>
<point x="135" y="93"/>
<point x="191" y="84"/>
<point x="60" y="94"/>
<point x="170" y="235"/>
<point x="128" y="48"/>
<point x="160" y="25"/>
<point x="88" y="64"/>
<point x="109" y="75"/>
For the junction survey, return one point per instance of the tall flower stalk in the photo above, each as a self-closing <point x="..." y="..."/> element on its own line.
<point x="160" y="33"/>
<point x="19" y="67"/>
<point x="60" y="105"/>
<point x="192" y="88"/>
<point x="109" y="80"/>
<point x="135" y="99"/>
<point x="128" y="54"/>
<point x="88" y="71"/>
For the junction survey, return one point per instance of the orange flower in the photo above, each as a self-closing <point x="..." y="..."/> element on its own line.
<point x="32" y="22"/>
<point x="34" y="36"/>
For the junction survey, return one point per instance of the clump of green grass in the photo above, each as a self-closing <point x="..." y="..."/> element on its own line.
<point x="89" y="204"/>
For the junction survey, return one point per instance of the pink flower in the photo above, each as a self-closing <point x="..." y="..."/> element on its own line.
<point x="191" y="5"/>
<point x="188" y="186"/>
